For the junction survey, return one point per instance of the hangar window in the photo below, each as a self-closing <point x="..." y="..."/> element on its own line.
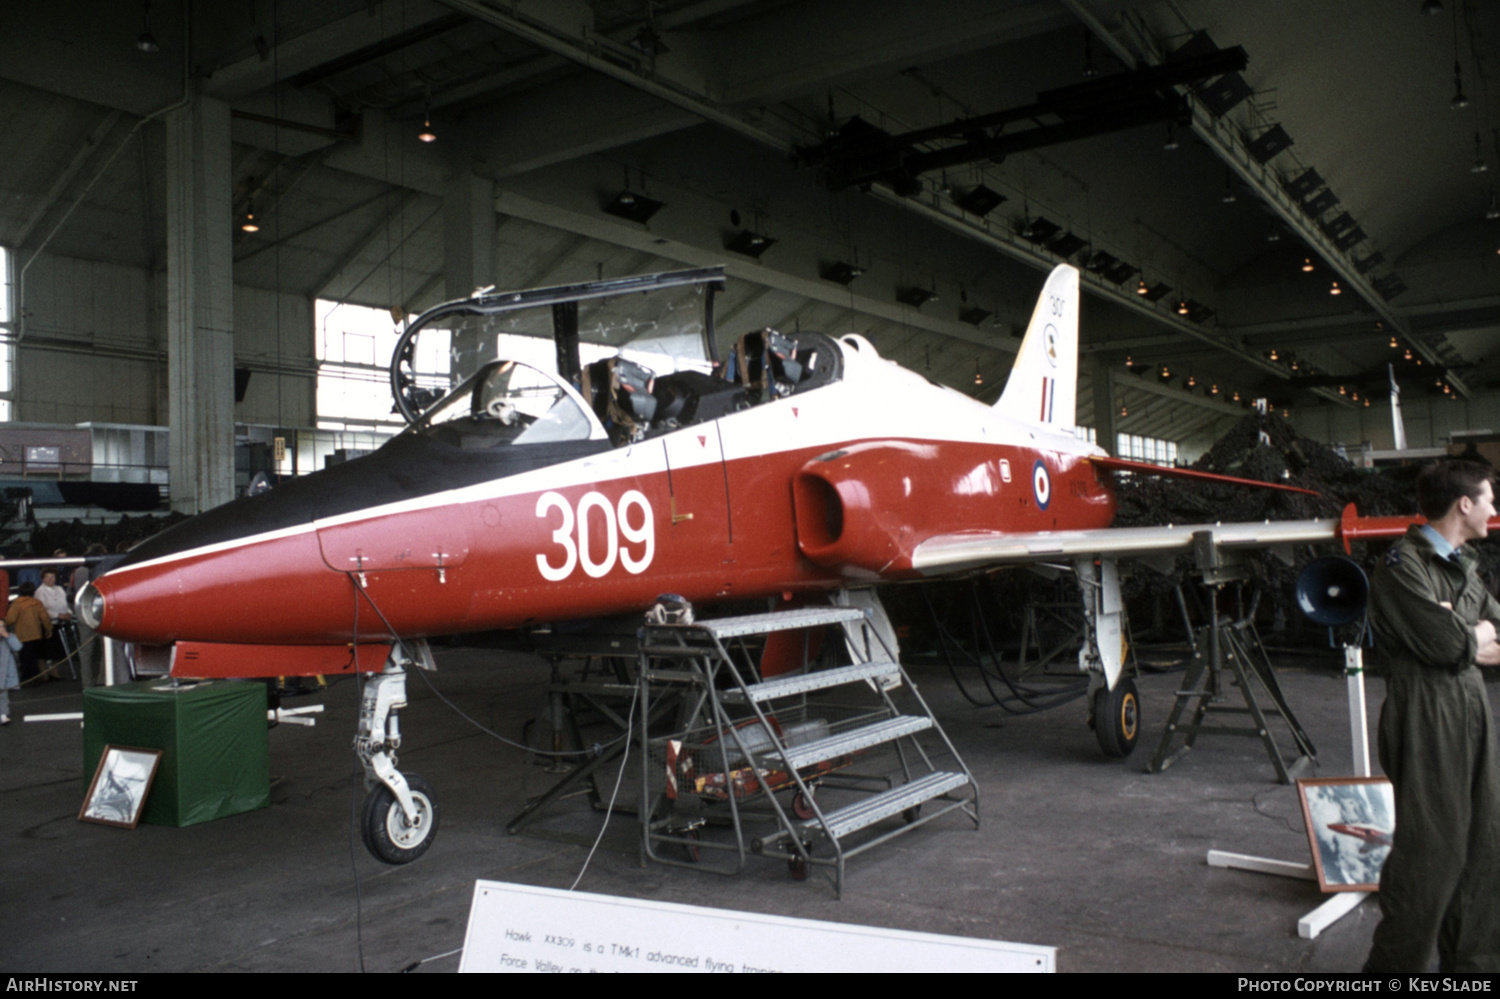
<point x="354" y="347"/>
<point x="7" y="334"/>
<point x="1152" y="449"/>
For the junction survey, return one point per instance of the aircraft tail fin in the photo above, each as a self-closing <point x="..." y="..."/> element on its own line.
<point x="1043" y="384"/>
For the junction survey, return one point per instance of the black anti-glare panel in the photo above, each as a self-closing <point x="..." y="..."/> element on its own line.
<point x="1068" y="244"/>
<point x="1269" y="143"/>
<point x="979" y="200"/>
<point x="1198" y="312"/>
<point x="1339" y="224"/>
<point x="1157" y="291"/>
<point x="915" y="297"/>
<point x="1321" y="202"/>
<point x="1039" y="230"/>
<point x="1369" y="263"/>
<point x="1389" y="286"/>
<point x="1304" y="183"/>
<point x="751" y="244"/>
<point x="1225" y="93"/>
<point x="1120" y="273"/>
<point x="840" y="273"/>
<point x="1100" y="262"/>
<point x="973" y="316"/>
<point x="1198" y="45"/>
<point x="1350" y="239"/>
<point x="635" y="207"/>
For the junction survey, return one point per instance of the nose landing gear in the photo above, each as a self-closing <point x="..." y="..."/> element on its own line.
<point x="401" y="813"/>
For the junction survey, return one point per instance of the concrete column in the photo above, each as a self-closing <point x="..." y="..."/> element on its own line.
<point x="200" y="306"/>
<point x="468" y="234"/>
<point x="469" y="258"/>
<point x="1102" y="370"/>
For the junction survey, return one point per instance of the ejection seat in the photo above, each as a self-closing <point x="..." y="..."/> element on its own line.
<point x="619" y="390"/>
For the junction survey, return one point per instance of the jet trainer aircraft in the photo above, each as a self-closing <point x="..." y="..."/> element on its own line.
<point x="625" y="460"/>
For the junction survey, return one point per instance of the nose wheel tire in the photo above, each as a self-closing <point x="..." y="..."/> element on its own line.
<point x="387" y="833"/>
<point x="1117" y="718"/>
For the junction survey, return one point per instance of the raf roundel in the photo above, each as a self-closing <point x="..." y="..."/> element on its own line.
<point x="1041" y="484"/>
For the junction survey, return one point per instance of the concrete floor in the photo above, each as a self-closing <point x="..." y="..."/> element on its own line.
<point x="1087" y="854"/>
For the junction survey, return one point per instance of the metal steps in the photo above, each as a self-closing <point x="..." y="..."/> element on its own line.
<point x="868" y="811"/>
<point x="852" y="741"/>
<point x="806" y="683"/>
<point x="739" y="745"/>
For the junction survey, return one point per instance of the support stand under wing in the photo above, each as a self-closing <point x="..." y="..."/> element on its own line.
<point x="1234" y="649"/>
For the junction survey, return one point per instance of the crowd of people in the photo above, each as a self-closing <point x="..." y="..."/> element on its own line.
<point x="39" y="638"/>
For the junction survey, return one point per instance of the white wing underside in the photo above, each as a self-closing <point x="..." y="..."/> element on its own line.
<point x="963" y="552"/>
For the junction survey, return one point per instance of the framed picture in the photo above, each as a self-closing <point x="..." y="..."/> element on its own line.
<point x="121" y="783"/>
<point x="1350" y="823"/>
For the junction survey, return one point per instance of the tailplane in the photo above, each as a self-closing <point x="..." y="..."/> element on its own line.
<point x="1043" y="385"/>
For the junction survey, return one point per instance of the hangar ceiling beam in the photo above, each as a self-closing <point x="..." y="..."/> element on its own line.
<point x="371" y="25"/>
<point x="68" y="174"/>
<point x="370" y="239"/>
<point x="634" y="237"/>
<point x="1156" y="388"/>
<point x="1228" y="143"/>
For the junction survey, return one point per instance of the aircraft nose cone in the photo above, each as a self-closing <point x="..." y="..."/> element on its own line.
<point x="90" y="606"/>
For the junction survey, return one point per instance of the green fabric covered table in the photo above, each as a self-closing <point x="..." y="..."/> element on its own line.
<point x="215" y="754"/>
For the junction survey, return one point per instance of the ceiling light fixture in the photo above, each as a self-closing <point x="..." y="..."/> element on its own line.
<point x="1142" y="288"/>
<point x="1272" y="355"/>
<point x="1182" y="308"/>
<point x="427" y="134"/>
<point x="1480" y="166"/>
<point x="1171" y="143"/>
<point x="978" y="378"/>
<point x="1432" y="7"/>
<point x="1307" y="265"/>
<point x="1335" y="290"/>
<point x="249" y="225"/>
<point x="1460" y="101"/>
<point x="147" y="43"/>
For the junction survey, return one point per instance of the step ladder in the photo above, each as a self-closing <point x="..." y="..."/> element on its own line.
<point x="1230" y="647"/>
<point x="801" y="765"/>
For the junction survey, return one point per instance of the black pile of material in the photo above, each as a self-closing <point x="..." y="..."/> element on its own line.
<point x="1266" y="448"/>
<point x="75" y="537"/>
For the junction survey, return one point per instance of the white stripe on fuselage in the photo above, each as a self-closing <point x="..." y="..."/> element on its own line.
<point x="876" y="400"/>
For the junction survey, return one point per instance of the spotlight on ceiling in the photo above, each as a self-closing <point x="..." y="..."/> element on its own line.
<point x="1039" y="230"/>
<point x="841" y="273"/>
<point x="1335" y="290"/>
<point x="1460" y="101"/>
<point x="1307" y="265"/>
<point x="979" y="200"/>
<point x="750" y="244"/>
<point x="1432" y="7"/>
<point x="635" y="207"/>
<point x="978" y="378"/>
<point x="1171" y="143"/>
<point x="427" y="134"/>
<point x="648" y="42"/>
<point x="1493" y="212"/>
<point x="249" y="225"/>
<point x="1480" y="166"/>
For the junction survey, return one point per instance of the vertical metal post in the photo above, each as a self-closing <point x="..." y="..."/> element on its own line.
<point x="1359" y="735"/>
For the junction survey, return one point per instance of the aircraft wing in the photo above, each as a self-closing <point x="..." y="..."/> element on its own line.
<point x="975" y="550"/>
<point x="1170" y="472"/>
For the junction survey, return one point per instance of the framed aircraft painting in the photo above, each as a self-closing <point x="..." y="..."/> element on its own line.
<point x="1350" y="823"/>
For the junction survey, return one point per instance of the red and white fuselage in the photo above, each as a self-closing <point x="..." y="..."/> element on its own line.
<point x="821" y="490"/>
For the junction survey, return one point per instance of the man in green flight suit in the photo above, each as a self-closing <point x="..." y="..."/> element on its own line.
<point x="1434" y="621"/>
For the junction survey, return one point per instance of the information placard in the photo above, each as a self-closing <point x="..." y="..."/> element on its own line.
<point x="525" y="929"/>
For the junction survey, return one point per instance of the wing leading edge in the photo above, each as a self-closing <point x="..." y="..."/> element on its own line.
<point x="962" y="552"/>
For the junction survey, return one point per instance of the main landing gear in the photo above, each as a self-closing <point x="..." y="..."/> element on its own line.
<point x="1115" y="706"/>
<point x="401" y="813"/>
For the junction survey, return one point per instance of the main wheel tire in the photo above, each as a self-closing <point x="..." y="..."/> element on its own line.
<point x="388" y="836"/>
<point x="1117" y="718"/>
